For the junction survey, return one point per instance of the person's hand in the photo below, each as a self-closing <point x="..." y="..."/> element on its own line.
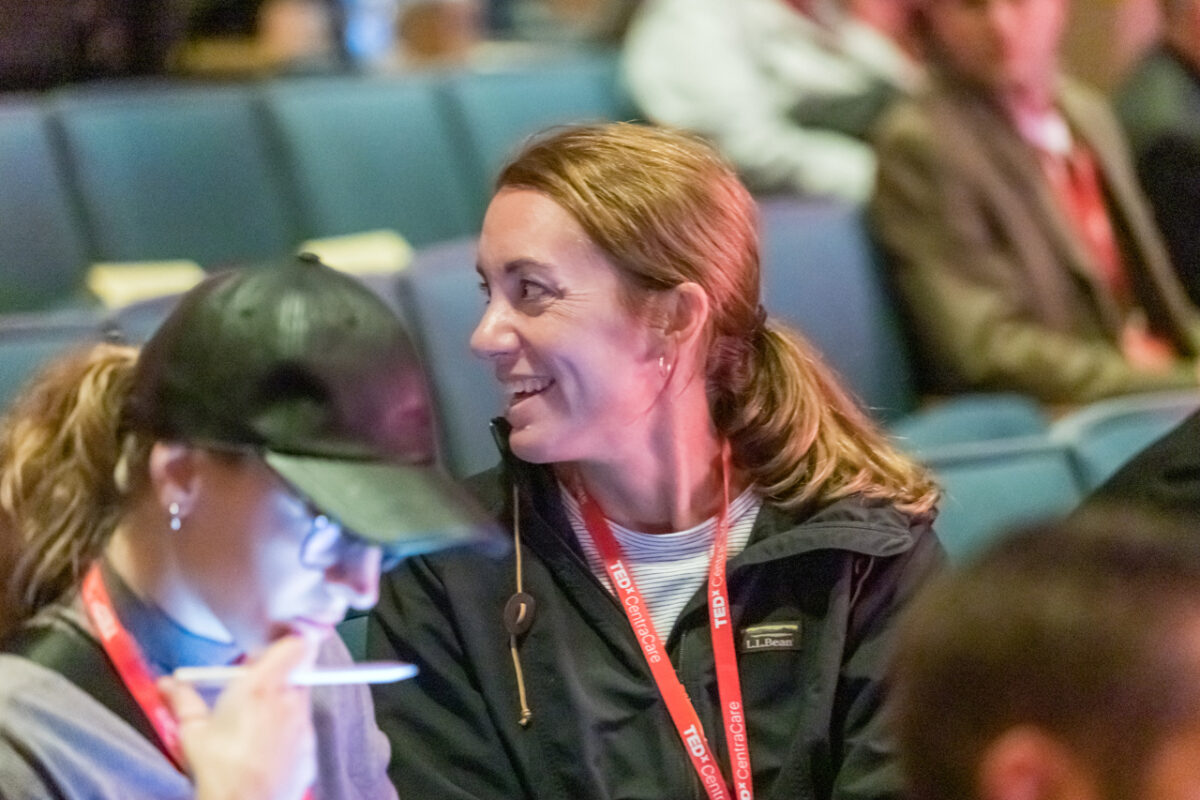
<point x="257" y="741"/>
<point x="1145" y="351"/>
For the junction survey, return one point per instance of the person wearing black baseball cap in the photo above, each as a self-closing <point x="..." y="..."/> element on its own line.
<point x="233" y="489"/>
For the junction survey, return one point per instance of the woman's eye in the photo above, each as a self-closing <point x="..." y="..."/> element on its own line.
<point x="531" y="290"/>
<point x="484" y="290"/>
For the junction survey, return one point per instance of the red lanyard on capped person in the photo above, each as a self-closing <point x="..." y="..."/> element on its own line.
<point x="729" y="687"/>
<point x="126" y="657"/>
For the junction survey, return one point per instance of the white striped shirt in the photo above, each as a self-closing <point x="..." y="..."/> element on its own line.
<point x="669" y="567"/>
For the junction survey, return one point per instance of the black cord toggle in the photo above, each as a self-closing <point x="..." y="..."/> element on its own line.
<point x="518" y="613"/>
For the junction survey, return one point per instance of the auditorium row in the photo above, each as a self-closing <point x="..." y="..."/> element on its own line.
<point x="224" y="175"/>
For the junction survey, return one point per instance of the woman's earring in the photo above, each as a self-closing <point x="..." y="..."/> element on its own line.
<point x="176" y="522"/>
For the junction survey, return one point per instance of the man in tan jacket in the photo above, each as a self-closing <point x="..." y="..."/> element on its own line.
<point x="1019" y="242"/>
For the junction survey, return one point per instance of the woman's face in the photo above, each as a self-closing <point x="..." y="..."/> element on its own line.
<point x="579" y="371"/>
<point x="240" y="548"/>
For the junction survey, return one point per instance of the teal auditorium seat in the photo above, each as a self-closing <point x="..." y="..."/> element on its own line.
<point x="136" y="322"/>
<point x="498" y="110"/>
<point x="176" y="172"/>
<point x="1102" y="436"/>
<point x="820" y="274"/>
<point x="27" y="341"/>
<point x="353" y="630"/>
<point x="990" y="487"/>
<point x="969" y="417"/>
<point x="440" y="298"/>
<point x="42" y="244"/>
<point x="372" y="153"/>
<point x="225" y="174"/>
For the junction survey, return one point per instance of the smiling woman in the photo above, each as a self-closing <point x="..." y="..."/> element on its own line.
<point x="554" y="328"/>
<point x="683" y="478"/>
<point x="228" y="492"/>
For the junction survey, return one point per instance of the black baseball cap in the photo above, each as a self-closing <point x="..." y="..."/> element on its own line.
<point x="310" y="369"/>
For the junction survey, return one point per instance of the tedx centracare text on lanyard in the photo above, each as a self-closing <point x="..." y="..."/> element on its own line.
<point x="131" y="666"/>
<point x="679" y="705"/>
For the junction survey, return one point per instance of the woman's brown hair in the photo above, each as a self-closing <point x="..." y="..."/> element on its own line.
<point x="666" y="209"/>
<point x="60" y="447"/>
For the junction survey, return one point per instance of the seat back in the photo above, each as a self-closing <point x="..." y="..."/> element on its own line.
<point x="969" y="418"/>
<point x="439" y="294"/>
<point x="1104" y="435"/>
<point x="820" y="275"/>
<point x="993" y="486"/>
<point x="353" y="630"/>
<point x="369" y="153"/>
<point x="43" y="250"/>
<point x="496" y="111"/>
<point x="29" y="340"/>
<point x="176" y="172"/>
<point x="136" y="322"/>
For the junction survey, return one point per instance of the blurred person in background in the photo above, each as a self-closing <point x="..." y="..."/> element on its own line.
<point x="1060" y="665"/>
<point x="598" y="23"/>
<point x="439" y="33"/>
<point x="48" y="43"/>
<point x="786" y="89"/>
<point x="1024" y="253"/>
<point x="1159" y="105"/>
<point x="478" y="33"/>
<point x="240" y="39"/>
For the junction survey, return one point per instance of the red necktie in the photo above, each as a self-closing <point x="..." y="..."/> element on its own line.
<point x="1076" y="180"/>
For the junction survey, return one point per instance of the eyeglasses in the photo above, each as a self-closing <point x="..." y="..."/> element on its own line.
<point x="327" y="543"/>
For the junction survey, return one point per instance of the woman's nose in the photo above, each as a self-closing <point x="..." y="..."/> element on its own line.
<point x="494" y="335"/>
<point x="356" y="575"/>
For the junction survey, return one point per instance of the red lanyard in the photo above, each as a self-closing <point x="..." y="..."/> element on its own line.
<point x="127" y="659"/>
<point x="679" y="705"/>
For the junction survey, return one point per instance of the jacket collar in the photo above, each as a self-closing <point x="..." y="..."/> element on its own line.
<point x="852" y="524"/>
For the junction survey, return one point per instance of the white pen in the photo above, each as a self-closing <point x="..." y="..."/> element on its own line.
<point x="365" y="672"/>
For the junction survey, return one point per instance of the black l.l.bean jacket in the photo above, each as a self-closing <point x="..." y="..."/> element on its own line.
<point x="814" y="602"/>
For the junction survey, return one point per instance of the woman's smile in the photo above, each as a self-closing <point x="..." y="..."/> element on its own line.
<point x="518" y="389"/>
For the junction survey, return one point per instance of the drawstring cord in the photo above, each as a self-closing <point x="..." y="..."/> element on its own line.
<point x="520" y="621"/>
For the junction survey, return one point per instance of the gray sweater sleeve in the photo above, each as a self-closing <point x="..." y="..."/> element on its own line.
<point x="57" y="742"/>
<point x="352" y="753"/>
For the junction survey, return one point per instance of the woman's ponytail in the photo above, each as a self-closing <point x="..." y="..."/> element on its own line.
<point x="802" y="437"/>
<point x="59" y="446"/>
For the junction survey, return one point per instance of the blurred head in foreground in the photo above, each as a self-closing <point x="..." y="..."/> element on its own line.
<point x="1064" y="663"/>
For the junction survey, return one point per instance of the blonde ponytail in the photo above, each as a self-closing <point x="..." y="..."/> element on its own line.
<point x="58" y="450"/>
<point x="803" y="438"/>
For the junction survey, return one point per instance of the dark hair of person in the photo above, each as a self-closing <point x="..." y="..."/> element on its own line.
<point x="1088" y="630"/>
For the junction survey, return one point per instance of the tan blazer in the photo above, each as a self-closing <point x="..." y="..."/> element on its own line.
<point x="999" y="291"/>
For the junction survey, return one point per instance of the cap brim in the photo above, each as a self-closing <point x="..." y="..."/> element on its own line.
<point x="407" y="509"/>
